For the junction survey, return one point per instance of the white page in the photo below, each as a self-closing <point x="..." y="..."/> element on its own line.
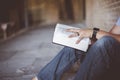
<point x="61" y="37"/>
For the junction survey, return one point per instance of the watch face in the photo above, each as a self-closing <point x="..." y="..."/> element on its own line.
<point x="97" y="29"/>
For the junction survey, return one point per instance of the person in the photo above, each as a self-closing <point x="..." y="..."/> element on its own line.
<point x="100" y="62"/>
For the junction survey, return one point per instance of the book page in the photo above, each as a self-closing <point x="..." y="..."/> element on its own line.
<point x="61" y="37"/>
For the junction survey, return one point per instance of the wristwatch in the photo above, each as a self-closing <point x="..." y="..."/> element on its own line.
<point x="95" y="30"/>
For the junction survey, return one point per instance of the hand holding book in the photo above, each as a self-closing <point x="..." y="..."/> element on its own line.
<point x="82" y="33"/>
<point x="66" y="35"/>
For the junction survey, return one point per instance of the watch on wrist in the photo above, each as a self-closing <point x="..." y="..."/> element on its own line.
<point x="95" y="30"/>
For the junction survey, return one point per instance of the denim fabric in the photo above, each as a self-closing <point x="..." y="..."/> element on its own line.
<point x="62" y="62"/>
<point x="102" y="61"/>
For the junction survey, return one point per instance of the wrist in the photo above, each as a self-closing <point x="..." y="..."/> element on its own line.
<point x="94" y="34"/>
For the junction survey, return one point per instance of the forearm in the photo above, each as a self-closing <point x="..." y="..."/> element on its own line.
<point x="104" y="33"/>
<point x="83" y="33"/>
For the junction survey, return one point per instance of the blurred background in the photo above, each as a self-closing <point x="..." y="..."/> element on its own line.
<point x="26" y="13"/>
<point x="27" y="26"/>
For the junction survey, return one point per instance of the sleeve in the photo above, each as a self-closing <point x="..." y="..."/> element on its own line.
<point x="118" y="22"/>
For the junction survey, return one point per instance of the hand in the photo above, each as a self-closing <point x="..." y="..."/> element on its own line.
<point x="82" y="33"/>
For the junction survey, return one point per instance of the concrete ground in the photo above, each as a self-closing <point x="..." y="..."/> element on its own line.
<point x="23" y="56"/>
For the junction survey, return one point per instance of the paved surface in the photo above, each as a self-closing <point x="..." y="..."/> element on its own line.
<point x="23" y="56"/>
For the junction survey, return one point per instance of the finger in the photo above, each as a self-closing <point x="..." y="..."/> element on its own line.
<point x="78" y="41"/>
<point x="72" y="30"/>
<point x="73" y="35"/>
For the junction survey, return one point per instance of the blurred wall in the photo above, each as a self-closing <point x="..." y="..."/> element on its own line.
<point x="53" y="11"/>
<point x="40" y="11"/>
<point x="78" y="9"/>
<point x="12" y="13"/>
<point x="102" y="13"/>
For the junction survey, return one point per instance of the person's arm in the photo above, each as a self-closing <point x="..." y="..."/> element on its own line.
<point x="114" y="32"/>
<point x="116" y="28"/>
<point x="88" y="33"/>
<point x="104" y="33"/>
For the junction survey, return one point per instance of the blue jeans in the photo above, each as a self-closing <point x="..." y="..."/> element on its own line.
<point x="102" y="62"/>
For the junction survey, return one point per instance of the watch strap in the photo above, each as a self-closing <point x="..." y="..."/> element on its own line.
<point x="95" y="30"/>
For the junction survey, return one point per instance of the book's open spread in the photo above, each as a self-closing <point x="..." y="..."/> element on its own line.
<point x="61" y="37"/>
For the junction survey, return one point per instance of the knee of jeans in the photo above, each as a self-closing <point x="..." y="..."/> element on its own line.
<point x="105" y="41"/>
<point x="68" y="49"/>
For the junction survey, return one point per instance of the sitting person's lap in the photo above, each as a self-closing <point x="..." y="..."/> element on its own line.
<point x="97" y="61"/>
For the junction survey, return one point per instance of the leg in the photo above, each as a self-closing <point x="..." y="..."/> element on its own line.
<point x="102" y="61"/>
<point x="53" y="70"/>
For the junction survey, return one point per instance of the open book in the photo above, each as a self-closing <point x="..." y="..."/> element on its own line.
<point x="61" y="37"/>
